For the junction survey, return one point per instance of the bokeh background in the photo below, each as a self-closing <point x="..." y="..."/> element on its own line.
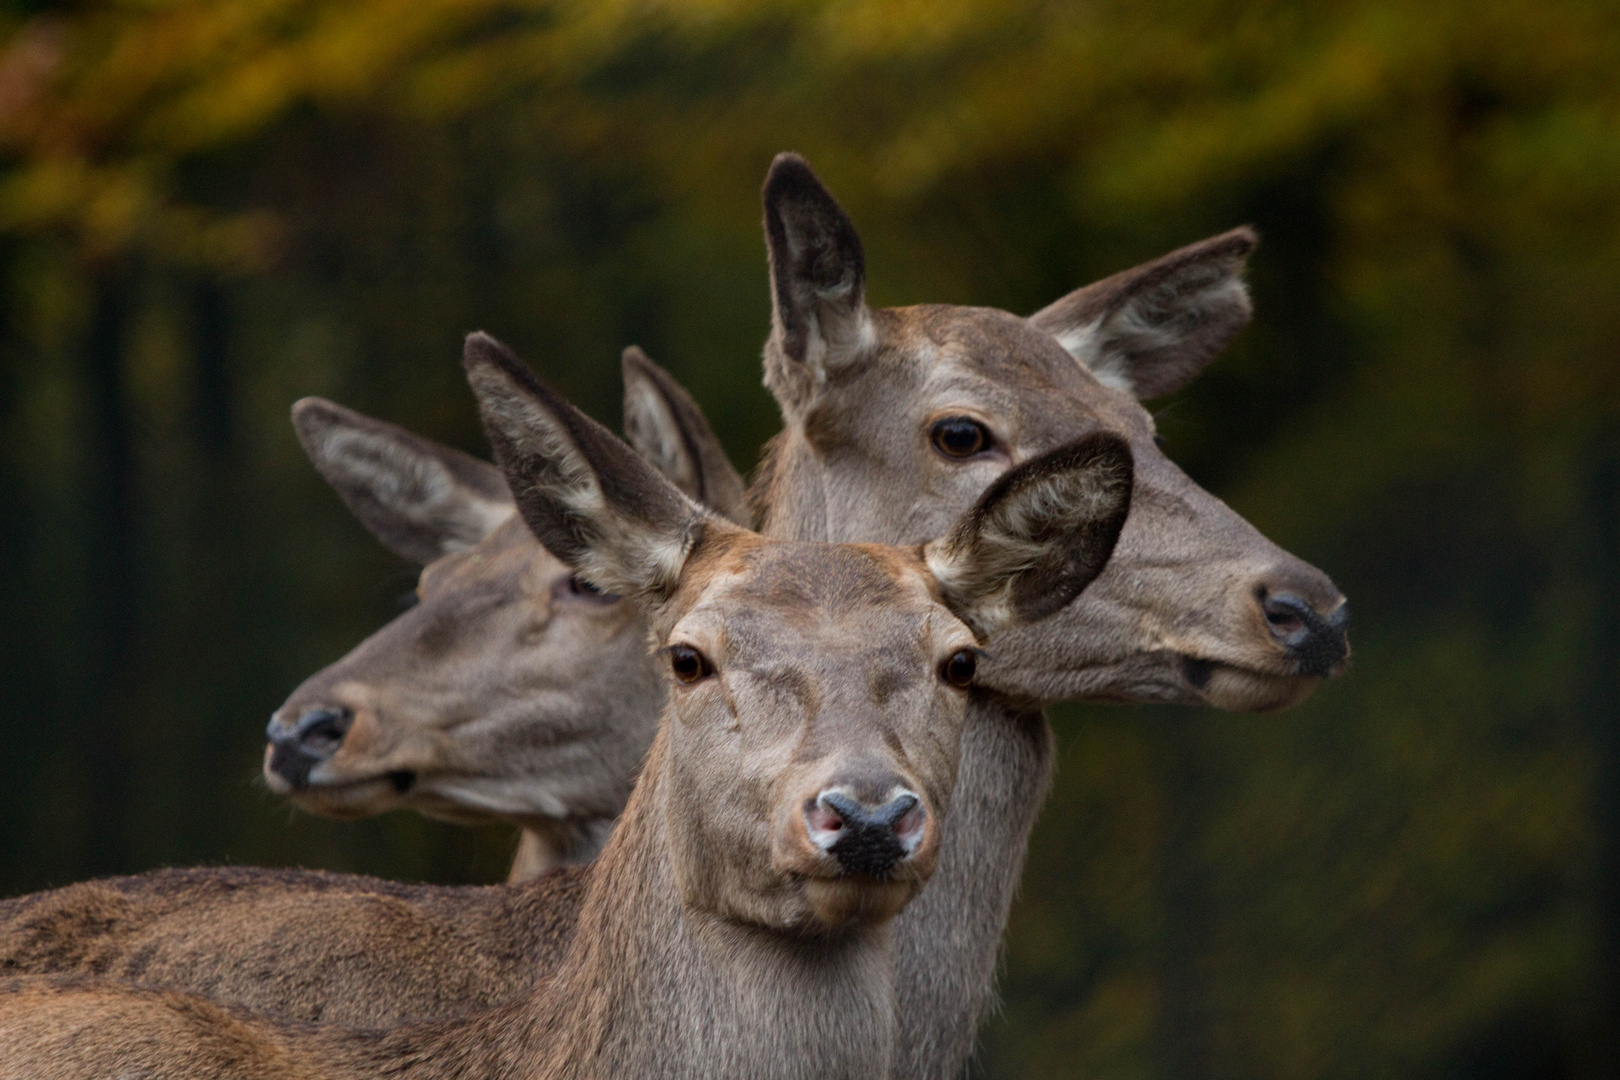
<point x="209" y="208"/>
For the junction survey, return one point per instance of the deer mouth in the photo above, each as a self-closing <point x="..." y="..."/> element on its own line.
<point x="1235" y="688"/>
<point x="342" y="796"/>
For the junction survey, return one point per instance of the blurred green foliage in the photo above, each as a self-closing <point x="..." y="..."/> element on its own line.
<point x="209" y="208"/>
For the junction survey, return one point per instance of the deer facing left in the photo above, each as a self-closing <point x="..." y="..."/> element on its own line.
<point x="510" y="691"/>
<point x="735" y="924"/>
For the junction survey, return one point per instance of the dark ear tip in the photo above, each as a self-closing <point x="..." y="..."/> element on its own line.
<point x="485" y="350"/>
<point x="483" y="354"/>
<point x="313" y="415"/>
<point x="790" y="176"/>
<point x="785" y="165"/>
<point x="1238" y="242"/>
<point x="313" y="408"/>
<point x="481" y="348"/>
<point x="634" y="360"/>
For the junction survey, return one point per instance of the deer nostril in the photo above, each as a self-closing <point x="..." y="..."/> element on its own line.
<point x="1286" y="615"/>
<point x="823" y="822"/>
<point x="298" y="747"/>
<point x="864" y="839"/>
<point x="1317" y="642"/>
<point x="317" y="733"/>
<point x="320" y="730"/>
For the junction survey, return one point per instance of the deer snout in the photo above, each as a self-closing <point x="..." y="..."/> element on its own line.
<point x="862" y="847"/>
<point x="1307" y="616"/>
<point x="866" y="839"/>
<point x="303" y="739"/>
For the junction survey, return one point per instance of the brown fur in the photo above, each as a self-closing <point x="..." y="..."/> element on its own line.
<point x="436" y="949"/>
<point x="854" y="463"/>
<point x="1176" y="615"/>
<point x="714" y="936"/>
<point x="559" y="681"/>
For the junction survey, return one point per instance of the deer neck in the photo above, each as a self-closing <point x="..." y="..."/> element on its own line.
<point x="1003" y="777"/>
<point x="547" y="844"/>
<point x="1004" y="773"/>
<point x="655" y="988"/>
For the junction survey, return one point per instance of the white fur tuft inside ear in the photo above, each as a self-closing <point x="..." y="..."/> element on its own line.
<point x="634" y="543"/>
<point x="412" y="486"/>
<point x="981" y="565"/>
<point x="563" y="476"/>
<point x="839" y="338"/>
<point x="1151" y="325"/>
<point x="651" y="430"/>
<point x="1109" y="368"/>
<point x="1150" y="329"/>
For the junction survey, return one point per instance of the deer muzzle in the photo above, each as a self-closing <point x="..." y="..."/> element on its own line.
<point x="862" y="847"/>
<point x="309" y="739"/>
<point x="866" y="840"/>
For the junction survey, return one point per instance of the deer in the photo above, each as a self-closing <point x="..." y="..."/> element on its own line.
<point x="509" y="691"/>
<point x="736" y="923"/>
<point x="894" y="421"/>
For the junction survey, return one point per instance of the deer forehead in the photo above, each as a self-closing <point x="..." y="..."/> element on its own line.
<point x="943" y="358"/>
<point x="996" y="345"/>
<point x="772" y="602"/>
<point x="509" y="553"/>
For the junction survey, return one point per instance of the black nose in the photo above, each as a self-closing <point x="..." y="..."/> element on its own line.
<point x="1318" y="642"/>
<point x="866" y="839"/>
<point x="315" y="737"/>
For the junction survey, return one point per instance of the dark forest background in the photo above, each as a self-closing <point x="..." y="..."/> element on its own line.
<point x="209" y="208"/>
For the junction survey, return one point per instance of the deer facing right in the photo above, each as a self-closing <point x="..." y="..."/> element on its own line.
<point x="736" y="923"/>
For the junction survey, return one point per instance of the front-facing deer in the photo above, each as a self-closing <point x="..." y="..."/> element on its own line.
<point x="736" y="923"/>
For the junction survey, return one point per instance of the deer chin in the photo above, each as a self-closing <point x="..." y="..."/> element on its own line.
<point x="348" y="799"/>
<point x="854" y="901"/>
<point x="1237" y="689"/>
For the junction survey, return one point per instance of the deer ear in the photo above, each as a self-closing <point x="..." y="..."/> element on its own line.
<point x="1038" y="536"/>
<point x="667" y="428"/>
<point x="819" y="319"/>
<point x="422" y="500"/>
<point x="1150" y="329"/>
<point x="589" y="499"/>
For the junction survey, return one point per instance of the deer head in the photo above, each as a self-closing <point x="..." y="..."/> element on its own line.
<point x="896" y="419"/>
<point x="511" y="690"/>
<point x="818" y="691"/>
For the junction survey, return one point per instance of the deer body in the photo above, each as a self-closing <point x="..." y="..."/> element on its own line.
<point x="736" y="923"/>
<point x="1196" y="605"/>
<point x="302" y="945"/>
<point x="660" y="994"/>
<point x="647" y="991"/>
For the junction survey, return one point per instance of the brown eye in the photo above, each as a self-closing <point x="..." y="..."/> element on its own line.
<point x="688" y="664"/>
<point x="960" y="668"/>
<point x="959" y="437"/>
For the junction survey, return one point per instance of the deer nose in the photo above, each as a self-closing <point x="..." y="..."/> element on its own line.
<point x="311" y="739"/>
<point x="866" y="839"/>
<point x="1308" y="617"/>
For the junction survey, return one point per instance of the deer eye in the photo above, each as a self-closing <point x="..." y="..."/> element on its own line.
<point x="959" y="668"/>
<point x="578" y="586"/>
<point x="959" y="437"/>
<point x="688" y="665"/>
